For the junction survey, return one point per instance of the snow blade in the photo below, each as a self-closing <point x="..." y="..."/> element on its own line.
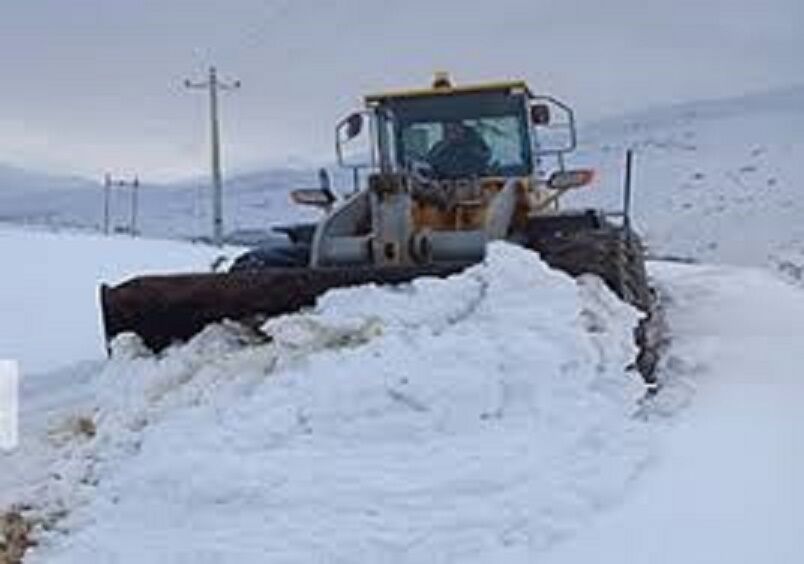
<point x="166" y="309"/>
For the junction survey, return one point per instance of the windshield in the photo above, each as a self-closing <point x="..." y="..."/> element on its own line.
<point x="488" y="146"/>
<point x="463" y="136"/>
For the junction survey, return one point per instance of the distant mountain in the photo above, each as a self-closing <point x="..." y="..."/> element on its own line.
<point x="252" y="201"/>
<point x="16" y="179"/>
<point x="38" y="198"/>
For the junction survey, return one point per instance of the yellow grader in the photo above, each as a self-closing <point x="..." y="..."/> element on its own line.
<point x="437" y="174"/>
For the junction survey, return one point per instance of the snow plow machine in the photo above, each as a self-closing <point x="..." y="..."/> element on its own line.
<point x="437" y="173"/>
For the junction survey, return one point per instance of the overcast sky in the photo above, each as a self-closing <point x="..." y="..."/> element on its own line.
<point x="96" y="84"/>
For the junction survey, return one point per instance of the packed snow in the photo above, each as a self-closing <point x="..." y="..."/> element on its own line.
<point x="403" y="424"/>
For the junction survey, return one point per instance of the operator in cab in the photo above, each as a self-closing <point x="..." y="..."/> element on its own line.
<point x="462" y="152"/>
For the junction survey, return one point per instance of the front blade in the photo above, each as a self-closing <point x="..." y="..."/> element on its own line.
<point x="166" y="309"/>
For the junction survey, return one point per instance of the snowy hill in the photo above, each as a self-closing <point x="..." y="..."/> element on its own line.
<point x="32" y="197"/>
<point x="16" y="180"/>
<point x="254" y="201"/>
<point x="715" y="181"/>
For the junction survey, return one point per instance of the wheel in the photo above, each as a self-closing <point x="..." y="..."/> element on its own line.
<point x="609" y="251"/>
<point x="617" y="256"/>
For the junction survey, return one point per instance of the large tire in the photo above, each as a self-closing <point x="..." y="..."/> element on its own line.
<point x="616" y="255"/>
<point x="611" y="252"/>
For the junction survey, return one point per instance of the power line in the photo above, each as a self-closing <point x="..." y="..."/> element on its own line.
<point x="213" y="84"/>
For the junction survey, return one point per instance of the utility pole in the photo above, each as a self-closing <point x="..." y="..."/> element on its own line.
<point x="108" y="184"/>
<point x="213" y="84"/>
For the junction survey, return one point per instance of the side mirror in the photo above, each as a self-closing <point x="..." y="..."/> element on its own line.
<point x="540" y="114"/>
<point x="553" y="124"/>
<point x="318" y="197"/>
<point x="353" y="141"/>
<point x="569" y="179"/>
<point x="354" y="125"/>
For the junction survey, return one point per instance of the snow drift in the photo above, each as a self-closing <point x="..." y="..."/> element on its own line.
<point x="478" y="418"/>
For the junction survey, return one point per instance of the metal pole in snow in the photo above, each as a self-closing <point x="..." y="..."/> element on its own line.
<point x="135" y="186"/>
<point x="629" y="161"/>
<point x="213" y="85"/>
<point x="107" y="185"/>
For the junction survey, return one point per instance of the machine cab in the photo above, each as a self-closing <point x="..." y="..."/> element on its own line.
<point x="447" y="132"/>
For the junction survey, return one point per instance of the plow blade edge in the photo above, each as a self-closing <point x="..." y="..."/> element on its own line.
<point x="162" y="310"/>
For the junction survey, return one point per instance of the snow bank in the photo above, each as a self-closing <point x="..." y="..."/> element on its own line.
<point x="728" y="485"/>
<point x="474" y="419"/>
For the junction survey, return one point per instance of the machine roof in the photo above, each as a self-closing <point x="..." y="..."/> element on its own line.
<point x="448" y="89"/>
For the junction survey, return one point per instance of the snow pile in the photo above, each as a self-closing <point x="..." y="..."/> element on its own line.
<point x="478" y="418"/>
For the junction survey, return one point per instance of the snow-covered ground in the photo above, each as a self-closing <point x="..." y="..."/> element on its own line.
<point x="727" y="487"/>
<point x="50" y="323"/>
<point x="488" y="417"/>
<point x="386" y="425"/>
